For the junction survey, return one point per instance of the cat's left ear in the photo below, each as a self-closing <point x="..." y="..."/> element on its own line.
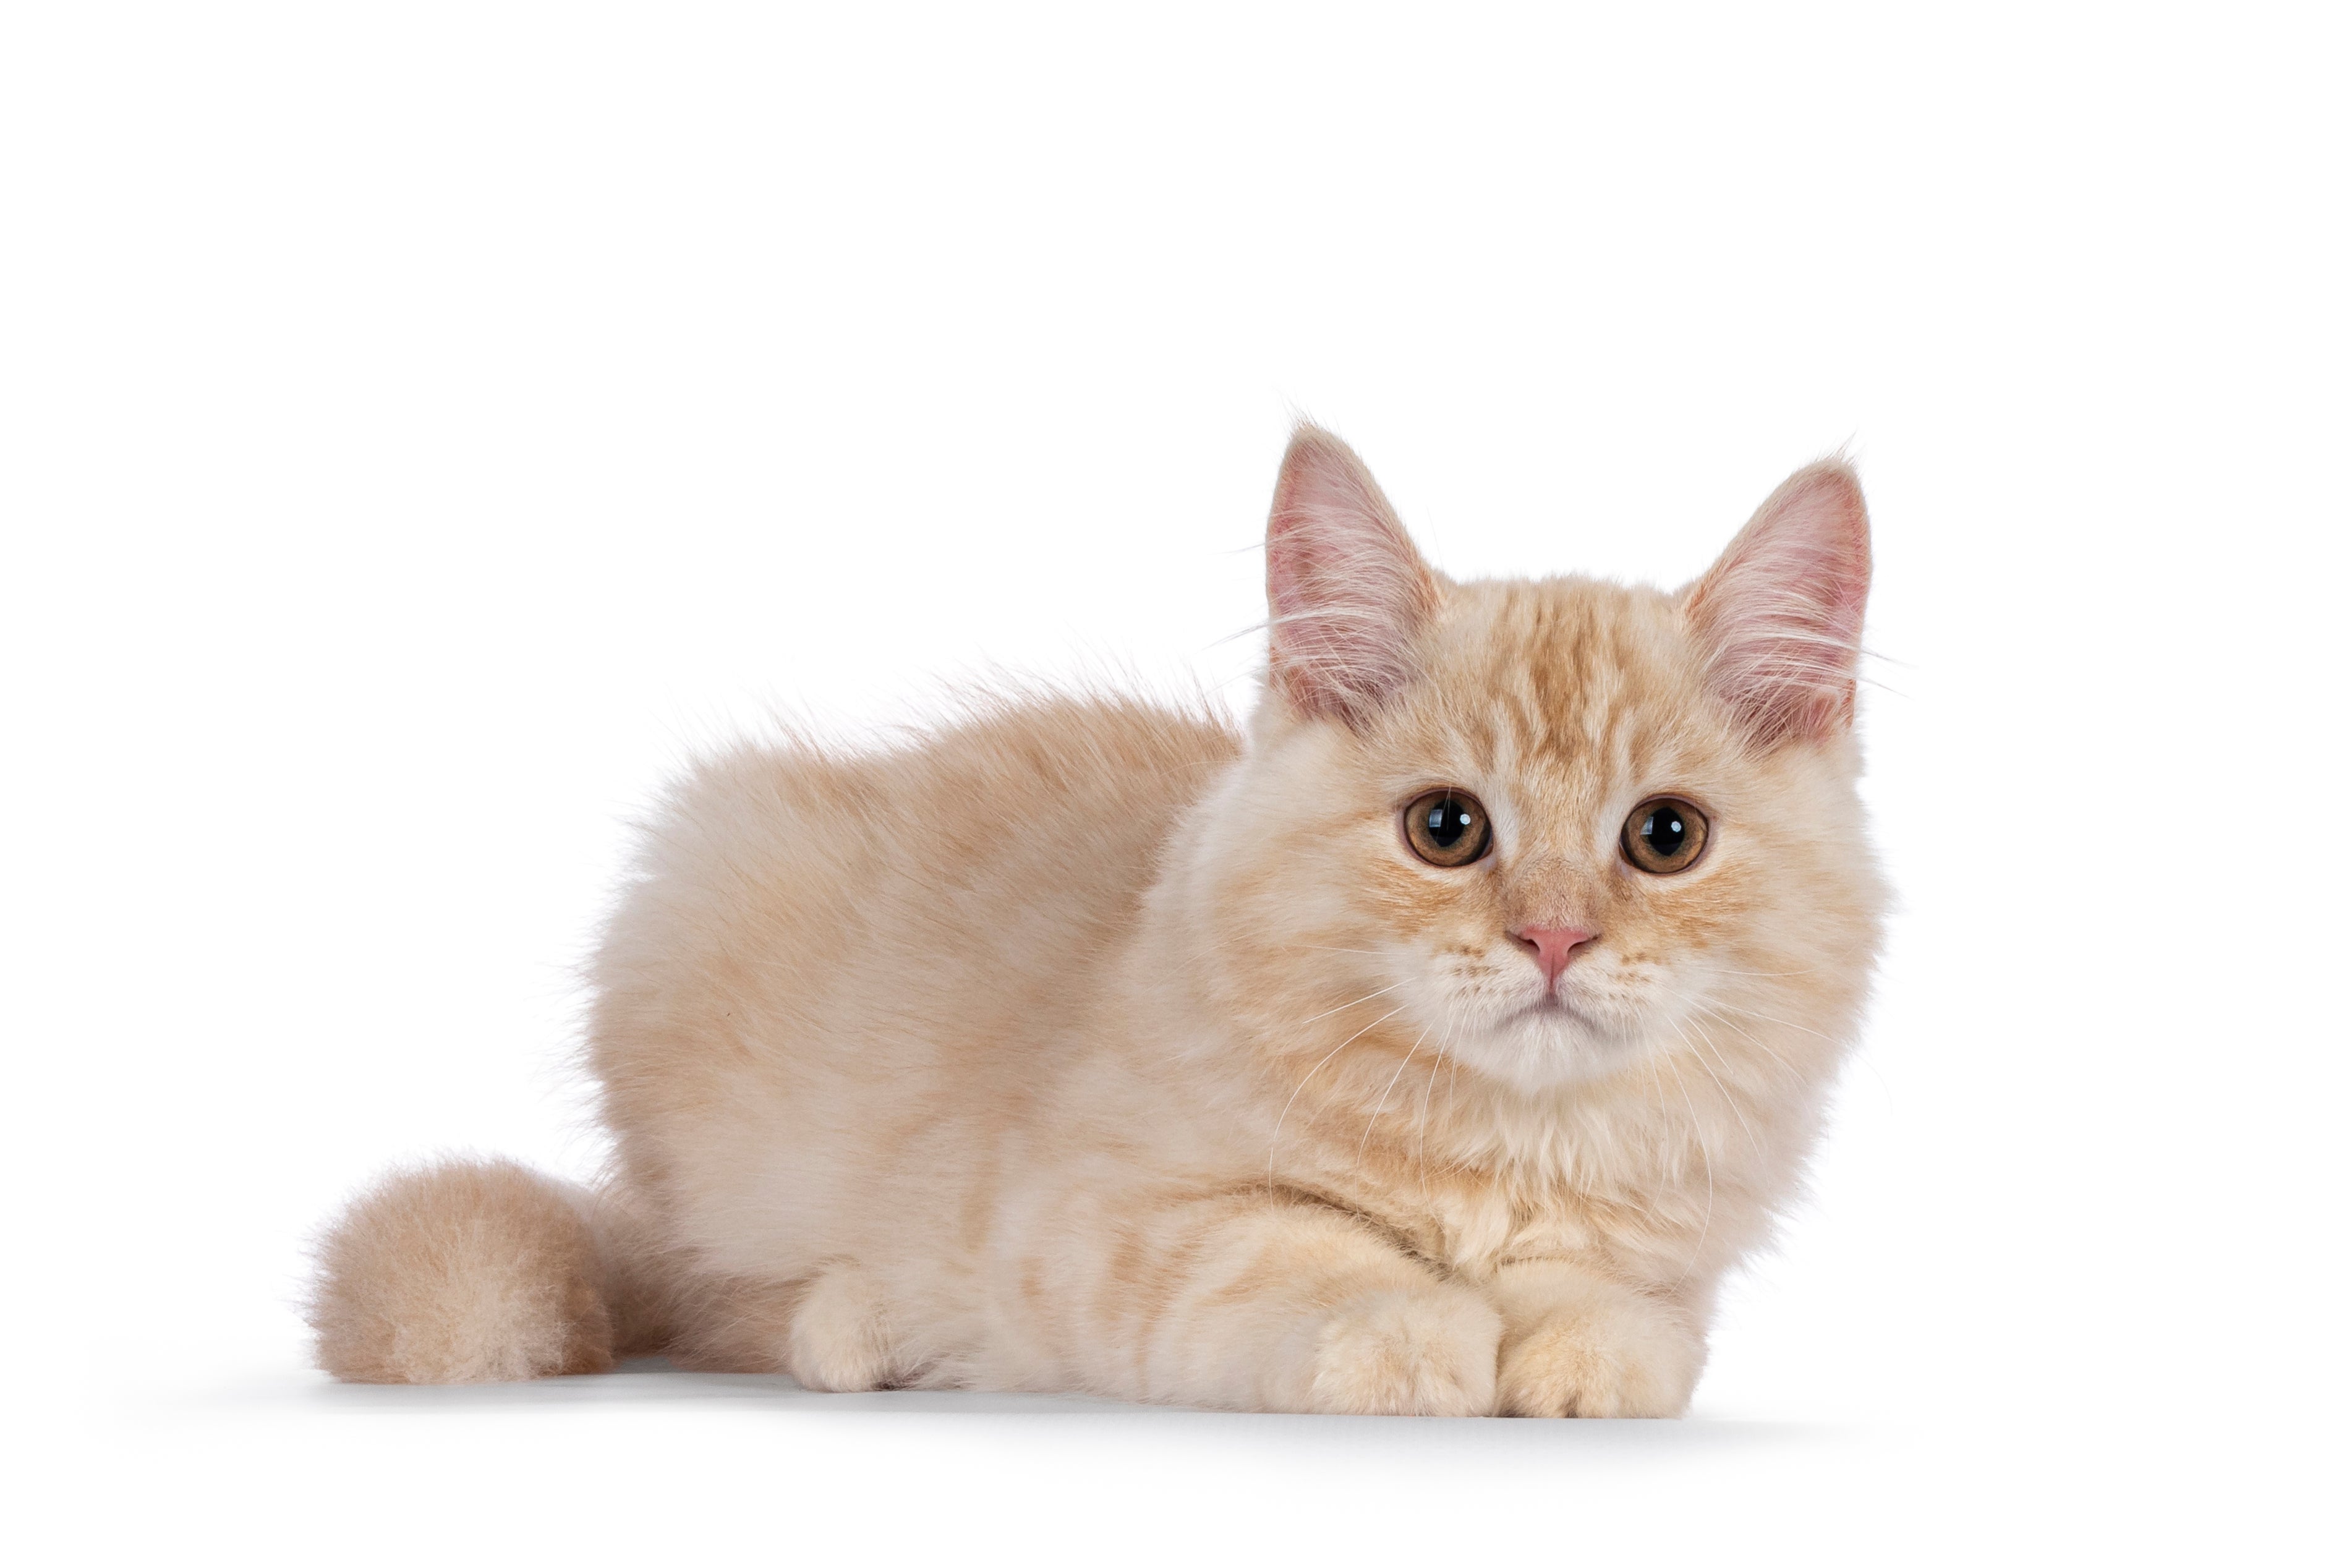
<point x="1779" y="615"/>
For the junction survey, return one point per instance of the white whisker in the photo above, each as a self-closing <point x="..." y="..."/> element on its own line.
<point x="1345" y="1006"/>
<point x="1365" y="1142"/>
<point x="1274" y="1145"/>
<point x="1708" y="1166"/>
<point x="1723" y="1089"/>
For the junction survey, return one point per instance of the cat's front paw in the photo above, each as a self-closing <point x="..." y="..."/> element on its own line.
<point x="1602" y="1358"/>
<point x="1426" y="1351"/>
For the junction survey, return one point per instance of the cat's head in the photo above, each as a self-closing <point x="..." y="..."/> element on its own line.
<point x="1549" y="827"/>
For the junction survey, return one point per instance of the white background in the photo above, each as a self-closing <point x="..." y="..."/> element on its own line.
<point x="422" y="425"/>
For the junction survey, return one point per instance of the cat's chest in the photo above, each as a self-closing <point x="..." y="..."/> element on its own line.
<point x="1474" y="1228"/>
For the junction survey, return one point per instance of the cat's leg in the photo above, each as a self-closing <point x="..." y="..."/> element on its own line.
<point x="1249" y="1303"/>
<point x="1580" y="1344"/>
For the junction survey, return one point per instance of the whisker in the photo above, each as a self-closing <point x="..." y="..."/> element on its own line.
<point x="1708" y="1006"/>
<point x="1778" y="1060"/>
<point x="1707" y="1166"/>
<point x="1721" y="1005"/>
<point x="1767" y="1017"/>
<point x="1843" y="955"/>
<point x="1723" y="1089"/>
<point x="1275" y="1143"/>
<point x="1465" y="1153"/>
<point x="1345" y="1006"/>
<point x="1365" y="1142"/>
<point x="1435" y="1061"/>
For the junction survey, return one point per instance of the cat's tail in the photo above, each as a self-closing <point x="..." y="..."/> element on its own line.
<point x="480" y="1271"/>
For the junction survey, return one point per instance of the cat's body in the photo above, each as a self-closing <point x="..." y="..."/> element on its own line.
<point x="1086" y="1046"/>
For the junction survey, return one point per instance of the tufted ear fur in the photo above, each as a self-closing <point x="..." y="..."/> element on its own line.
<point x="1347" y="593"/>
<point x="1781" y="614"/>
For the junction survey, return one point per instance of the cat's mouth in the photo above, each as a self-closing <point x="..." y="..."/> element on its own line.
<point x="1588" y="1025"/>
<point x="1552" y="1005"/>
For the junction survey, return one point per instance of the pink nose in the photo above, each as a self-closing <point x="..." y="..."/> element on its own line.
<point x="1552" y="946"/>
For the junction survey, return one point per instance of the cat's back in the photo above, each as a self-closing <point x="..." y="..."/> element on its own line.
<point x="953" y="892"/>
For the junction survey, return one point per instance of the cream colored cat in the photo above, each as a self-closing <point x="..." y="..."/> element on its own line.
<point x="1433" y="1048"/>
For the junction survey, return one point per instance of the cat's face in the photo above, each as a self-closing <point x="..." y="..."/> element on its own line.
<point x="1556" y="826"/>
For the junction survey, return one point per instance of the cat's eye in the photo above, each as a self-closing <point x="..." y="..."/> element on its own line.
<point x="1446" y="827"/>
<point x="1664" y="835"/>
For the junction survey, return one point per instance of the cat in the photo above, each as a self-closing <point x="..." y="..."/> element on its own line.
<point x="1433" y="1047"/>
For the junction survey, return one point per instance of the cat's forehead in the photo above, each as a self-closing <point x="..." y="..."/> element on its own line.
<point x="1565" y="678"/>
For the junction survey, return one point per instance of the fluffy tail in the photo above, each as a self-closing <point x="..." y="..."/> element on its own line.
<point x="478" y="1271"/>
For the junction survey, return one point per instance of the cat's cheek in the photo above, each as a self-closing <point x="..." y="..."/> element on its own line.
<point x="1602" y="1359"/>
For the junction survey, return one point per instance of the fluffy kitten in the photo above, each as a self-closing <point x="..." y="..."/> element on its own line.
<point x="1432" y="1048"/>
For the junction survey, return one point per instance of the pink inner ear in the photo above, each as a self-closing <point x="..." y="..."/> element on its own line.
<point x="1347" y="592"/>
<point x="1781" y="614"/>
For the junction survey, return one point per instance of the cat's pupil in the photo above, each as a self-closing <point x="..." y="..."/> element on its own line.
<point x="1447" y="823"/>
<point x="1663" y="831"/>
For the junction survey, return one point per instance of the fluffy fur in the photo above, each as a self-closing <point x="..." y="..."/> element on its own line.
<point x="1090" y="1046"/>
<point x="464" y="1272"/>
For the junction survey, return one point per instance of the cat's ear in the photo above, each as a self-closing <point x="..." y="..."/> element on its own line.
<point x="1779" y="615"/>
<point x="1347" y="593"/>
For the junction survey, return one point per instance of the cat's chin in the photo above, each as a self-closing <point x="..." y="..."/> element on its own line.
<point x="1547" y="1045"/>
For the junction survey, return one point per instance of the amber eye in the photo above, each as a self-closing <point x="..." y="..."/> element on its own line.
<point x="1446" y="827"/>
<point x="1664" y="835"/>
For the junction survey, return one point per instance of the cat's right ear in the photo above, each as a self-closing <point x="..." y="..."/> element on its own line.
<point x="1347" y="593"/>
